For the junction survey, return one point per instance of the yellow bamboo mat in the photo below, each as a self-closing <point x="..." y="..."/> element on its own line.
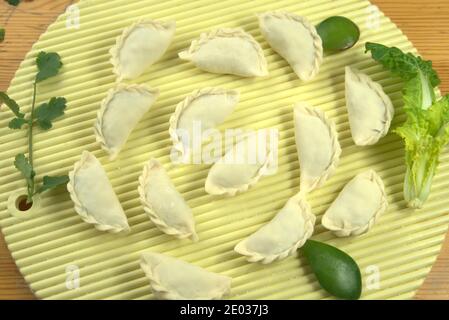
<point x="402" y="245"/>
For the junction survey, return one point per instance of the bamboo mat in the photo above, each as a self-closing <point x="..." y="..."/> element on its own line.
<point x="425" y="24"/>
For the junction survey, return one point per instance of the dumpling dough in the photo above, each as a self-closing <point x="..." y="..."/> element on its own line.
<point x="229" y="51"/>
<point x="370" y="110"/>
<point x="139" y="46"/>
<point x="164" y="204"/>
<point x="282" y="236"/>
<point x="95" y="200"/>
<point x="174" y="279"/>
<point x="295" y="39"/>
<point x="317" y="145"/>
<point x="239" y="169"/>
<point x="120" y="111"/>
<point x="358" y="206"/>
<point x="208" y="107"/>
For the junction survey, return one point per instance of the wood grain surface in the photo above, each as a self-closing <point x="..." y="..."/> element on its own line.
<point x="426" y="23"/>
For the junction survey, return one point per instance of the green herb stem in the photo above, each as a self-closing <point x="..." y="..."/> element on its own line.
<point x="31" y="187"/>
<point x="31" y="122"/>
<point x="48" y="65"/>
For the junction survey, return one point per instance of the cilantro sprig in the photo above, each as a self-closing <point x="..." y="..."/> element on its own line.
<point x="48" y="65"/>
<point x="2" y="35"/>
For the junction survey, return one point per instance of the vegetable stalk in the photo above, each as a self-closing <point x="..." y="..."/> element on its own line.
<point x="30" y="186"/>
<point x="426" y="129"/>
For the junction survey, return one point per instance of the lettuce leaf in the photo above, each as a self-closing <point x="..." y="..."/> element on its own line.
<point x="426" y="129"/>
<point x="405" y="65"/>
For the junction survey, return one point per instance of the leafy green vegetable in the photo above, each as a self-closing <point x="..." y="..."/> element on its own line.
<point x="26" y="169"/>
<point x="52" y="182"/>
<point x="338" y="33"/>
<point x="23" y="165"/>
<point x="48" y="65"/>
<point x="406" y="65"/>
<point x="2" y="35"/>
<point x="17" y="123"/>
<point x="335" y="270"/>
<point x="13" y="2"/>
<point x="48" y="112"/>
<point x="11" y="104"/>
<point x="426" y="129"/>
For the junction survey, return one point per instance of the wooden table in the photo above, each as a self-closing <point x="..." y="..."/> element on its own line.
<point x="426" y="23"/>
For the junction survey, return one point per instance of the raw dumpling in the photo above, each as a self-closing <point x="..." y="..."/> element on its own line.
<point x="230" y="51"/>
<point x="95" y="200"/>
<point x="239" y="169"/>
<point x="164" y="204"/>
<point x="295" y="39"/>
<point x="358" y="206"/>
<point x="208" y="107"/>
<point x="317" y="145"/>
<point x="120" y="111"/>
<point x="139" y="46"/>
<point x="282" y="236"/>
<point x="174" y="279"/>
<point x="370" y="110"/>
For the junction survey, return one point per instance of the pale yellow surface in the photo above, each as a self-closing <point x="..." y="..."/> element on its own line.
<point x="403" y="244"/>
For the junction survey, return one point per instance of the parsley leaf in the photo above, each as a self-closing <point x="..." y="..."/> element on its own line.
<point x="47" y="112"/>
<point x="17" y="123"/>
<point x="2" y="34"/>
<point x="11" y="104"/>
<point x="52" y="182"/>
<point x="23" y="165"/>
<point x="48" y="65"/>
<point x="13" y="2"/>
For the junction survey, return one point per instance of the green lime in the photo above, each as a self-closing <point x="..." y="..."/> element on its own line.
<point x="338" y="33"/>
<point x="335" y="270"/>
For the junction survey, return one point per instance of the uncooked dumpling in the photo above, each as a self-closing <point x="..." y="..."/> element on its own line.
<point x="120" y="111"/>
<point x="229" y="51"/>
<point x="208" y="107"/>
<point x="358" y="206"/>
<point x="139" y="46"/>
<point x="164" y="204"/>
<point x="174" y="279"/>
<point x="317" y="145"/>
<point x="239" y="169"/>
<point x="95" y="200"/>
<point x="282" y="236"/>
<point x="370" y="110"/>
<point x="295" y="39"/>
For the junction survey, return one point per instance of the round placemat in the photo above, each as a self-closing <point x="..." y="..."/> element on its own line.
<point x="54" y="248"/>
